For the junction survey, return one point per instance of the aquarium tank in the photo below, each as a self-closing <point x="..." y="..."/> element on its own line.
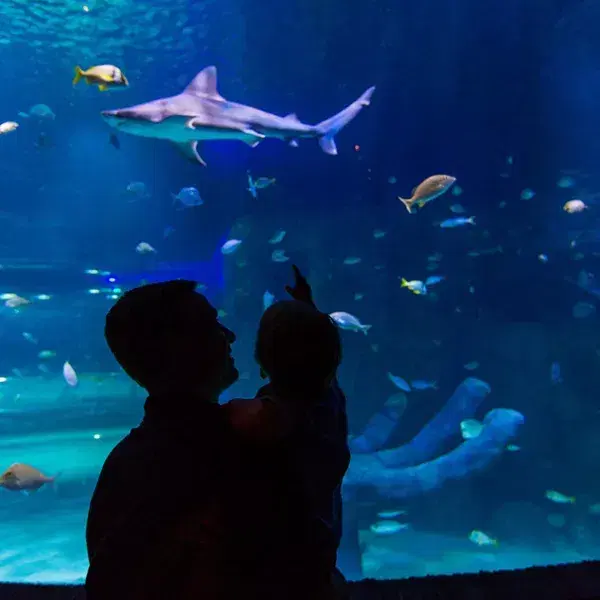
<point x="432" y="167"/>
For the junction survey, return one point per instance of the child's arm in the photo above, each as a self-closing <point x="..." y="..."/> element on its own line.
<point x="264" y="419"/>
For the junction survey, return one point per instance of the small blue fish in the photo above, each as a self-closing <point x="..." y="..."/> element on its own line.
<point x="278" y="237"/>
<point x="391" y="514"/>
<point x="252" y="186"/>
<point x="555" y="376"/>
<point x="279" y="256"/>
<point x="565" y="182"/>
<point x="527" y="194"/>
<point x="137" y="190"/>
<point x="457" y="222"/>
<point x="188" y="197"/>
<point x="433" y="279"/>
<point x="29" y="337"/>
<point x="421" y="385"/>
<point x="258" y="184"/>
<point x="400" y="383"/>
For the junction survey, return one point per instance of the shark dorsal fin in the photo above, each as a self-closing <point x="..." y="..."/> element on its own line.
<point x="292" y="117"/>
<point x="204" y="84"/>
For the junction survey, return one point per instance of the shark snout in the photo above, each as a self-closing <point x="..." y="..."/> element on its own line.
<point x="110" y="115"/>
<point x="113" y="117"/>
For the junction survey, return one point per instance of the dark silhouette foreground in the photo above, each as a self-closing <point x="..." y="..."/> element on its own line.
<point x="233" y="501"/>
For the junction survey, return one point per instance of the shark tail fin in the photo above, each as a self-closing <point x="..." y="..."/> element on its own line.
<point x="328" y="129"/>
<point x="78" y="75"/>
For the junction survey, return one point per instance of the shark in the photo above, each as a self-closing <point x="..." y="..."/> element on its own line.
<point x="199" y="113"/>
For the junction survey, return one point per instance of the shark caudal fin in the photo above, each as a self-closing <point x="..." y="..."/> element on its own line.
<point x="329" y="128"/>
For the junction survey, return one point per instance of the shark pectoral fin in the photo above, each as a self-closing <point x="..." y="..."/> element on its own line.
<point x="294" y="143"/>
<point x="192" y="123"/>
<point x="258" y="136"/>
<point x="190" y="151"/>
<point x="254" y="138"/>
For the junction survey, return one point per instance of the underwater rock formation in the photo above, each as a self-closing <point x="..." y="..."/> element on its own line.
<point x="415" y="468"/>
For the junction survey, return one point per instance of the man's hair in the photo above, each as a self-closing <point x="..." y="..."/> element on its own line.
<point x="140" y="324"/>
<point x="298" y="347"/>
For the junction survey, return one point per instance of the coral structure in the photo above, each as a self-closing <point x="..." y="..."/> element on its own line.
<point x="415" y="468"/>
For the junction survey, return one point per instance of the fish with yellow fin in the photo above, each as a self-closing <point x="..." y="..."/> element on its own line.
<point x="415" y="286"/>
<point x="104" y="76"/>
<point x="428" y="190"/>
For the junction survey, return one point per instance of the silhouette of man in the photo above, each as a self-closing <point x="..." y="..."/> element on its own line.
<point x="168" y="339"/>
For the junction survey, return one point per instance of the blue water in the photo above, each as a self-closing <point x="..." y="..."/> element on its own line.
<point x="503" y="97"/>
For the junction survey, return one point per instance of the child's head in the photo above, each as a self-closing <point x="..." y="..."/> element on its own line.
<point x="298" y="347"/>
<point x="167" y="337"/>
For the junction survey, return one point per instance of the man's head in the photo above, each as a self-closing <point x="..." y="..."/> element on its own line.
<point x="167" y="337"/>
<point x="298" y="347"/>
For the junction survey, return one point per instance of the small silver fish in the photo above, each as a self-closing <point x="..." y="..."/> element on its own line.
<point x="400" y="383"/>
<point x="482" y="539"/>
<point x="471" y="366"/>
<point x="230" y="246"/>
<point x="145" y="248"/>
<point x="29" y="337"/>
<point x="349" y="322"/>
<point x="559" y="498"/>
<point x="387" y="527"/>
<point x="8" y="127"/>
<point x="390" y="514"/>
